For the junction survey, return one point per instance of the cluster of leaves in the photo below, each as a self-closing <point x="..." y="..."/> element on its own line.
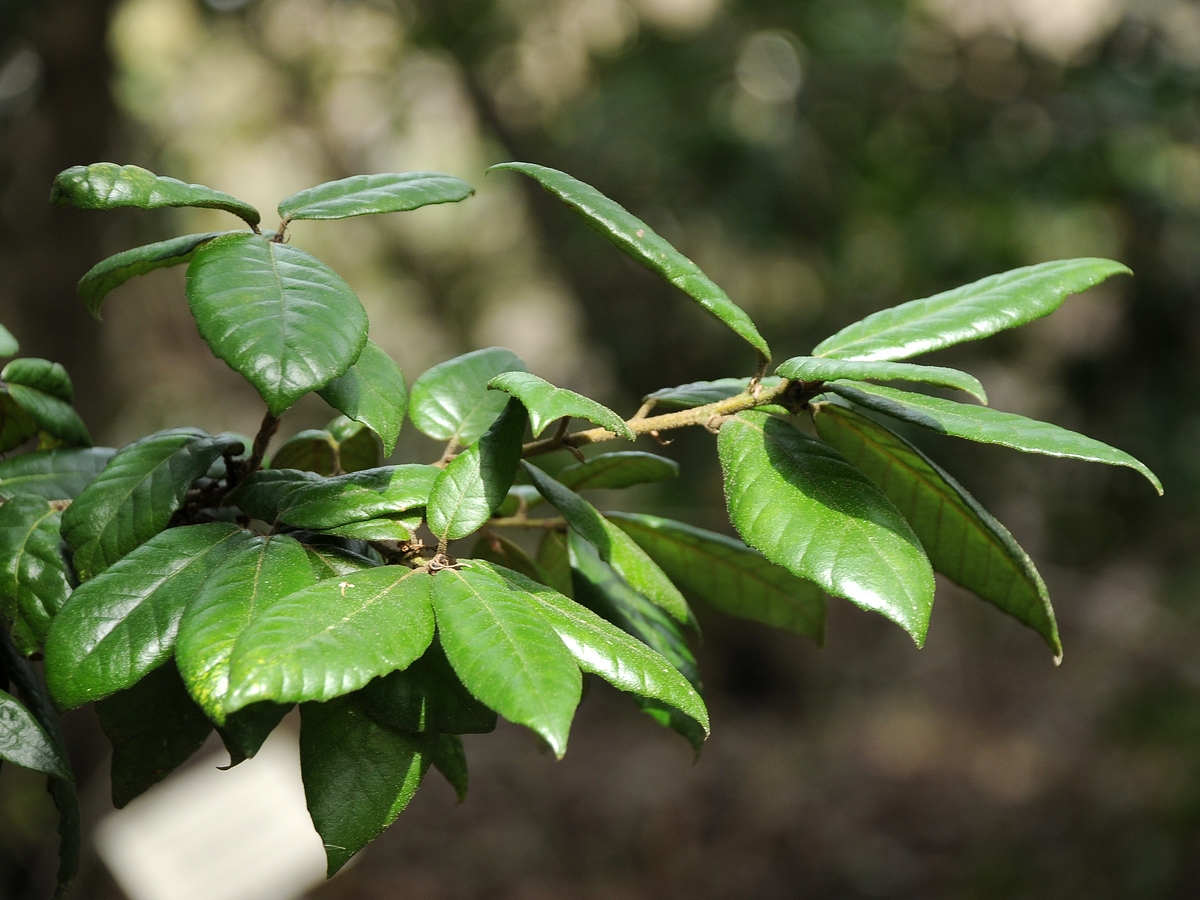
<point x="186" y="583"/>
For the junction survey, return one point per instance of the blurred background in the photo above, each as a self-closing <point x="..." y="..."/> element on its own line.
<point x="820" y="159"/>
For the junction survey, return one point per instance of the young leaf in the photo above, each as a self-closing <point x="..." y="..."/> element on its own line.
<point x="427" y="697"/>
<point x="280" y="317"/>
<point x="358" y="447"/>
<point x="364" y="195"/>
<point x="812" y="368"/>
<point x="16" y="425"/>
<point x="962" y="539"/>
<point x="154" y="727"/>
<point x="372" y="392"/>
<point x="41" y="375"/>
<point x="52" y="415"/>
<point x="989" y="426"/>
<point x="54" y="474"/>
<point x="311" y="450"/>
<point x="358" y="775"/>
<point x="805" y="508"/>
<point x="35" y="580"/>
<point x="476" y="481"/>
<point x="359" y="496"/>
<point x="448" y="757"/>
<point x="332" y="638"/>
<point x="452" y="400"/>
<point x="636" y="238"/>
<point x="554" y="559"/>
<point x="250" y="579"/>
<point x="967" y="313"/>
<point x="120" y="626"/>
<point x="134" y="498"/>
<point x="702" y="393"/>
<point x="615" y="546"/>
<point x="265" y="493"/>
<point x="621" y="469"/>
<point x="546" y="403"/>
<point x="109" y="186"/>
<point x="116" y="270"/>
<point x="496" y="548"/>
<point x="24" y="743"/>
<point x="726" y="573"/>
<point x="8" y="343"/>
<point x="505" y="652"/>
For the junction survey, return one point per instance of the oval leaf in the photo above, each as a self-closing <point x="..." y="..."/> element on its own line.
<point x="427" y="697"/>
<point x="452" y="400"/>
<point x="372" y="392"/>
<point x="41" y="375"/>
<point x="16" y="425"/>
<point x="393" y="528"/>
<point x="53" y="474"/>
<point x="24" y="743"/>
<point x="359" y="496"/>
<point x="52" y="415"/>
<point x="811" y="368"/>
<point x="311" y="450"/>
<point x="116" y="270"/>
<point x="358" y="446"/>
<point x="364" y="195"/>
<point x="807" y="509"/>
<point x="8" y="343"/>
<point x="265" y="493"/>
<point x="35" y="580"/>
<point x="621" y="469"/>
<point x="546" y="403"/>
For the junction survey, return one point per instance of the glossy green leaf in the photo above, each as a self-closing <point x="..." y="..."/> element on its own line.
<point x="547" y="403"/>
<point x="807" y="509"/>
<point x="554" y="559"/>
<point x="109" y="186"/>
<point x="41" y="375"/>
<point x="280" y="317"/>
<point x="358" y="446"/>
<point x="989" y="426"/>
<point x="498" y="549"/>
<point x="358" y="775"/>
<point x="452" y="400"/>
<point x="475" y="482"/>
<point x="427" y="697"/>
<point x="386" y="528"/>
<point x="154" y="727"/>
<point x="311" y="450"/>
<point x="329" y="560"/>
<point x="637" y="239"/>
<point x="964" y="542"/>
<point x="372" y="392"/>
<point x="702" y="393"/>
<point x="54" y="474"/>
<point x="267" y="492"/>
<point x="967" y="313"/>
<point x="332" y="638"/>
<point x="448" y="757"/>
<point x="24" y="743"/>
<point x="116" y="270"/>
<point x="16" y="425"/>
<point x="52" y="415"/>
<point x="615" y="546"/>
<point x="8" y="343"/>
<point x="248" y="581"/>
<point x="121" y="625"/>
<point x="359" y="496"/>
<point x="135" y="497"/>
<point x="621" y="469"/>
<point x="812" y="368"/>
<point x="729" y="575"/>
<point x="35" y="580"/>
<point x="364" y="195"/>
<point x="505" y="651"/>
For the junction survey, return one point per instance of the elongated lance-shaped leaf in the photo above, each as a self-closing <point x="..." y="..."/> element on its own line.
<point x="134" y="498"/>
<point x="249" y="580"/>
<point x="311" y="450"/>
<point x="154" y="727"/>
<point x="964" y="542"/>
<point x="109" y="186"/>
<point x="546" y="403"/>
<point x="332" y="638"/>
<point x="813" y="368"/>
<point x="505" y="651"/>
<point x="358" y="446"/>
<point x="616" y="547"/>
<point x="498" y="549"/>
<point x="265" y="493"/>
<point x="988" y="426"/>
<point x="637" y="239"/>
<point x="729" y="575"/>
<point x="806" y="508"/>
<point x="59" y="474"/>
<point x="475" y="482"/>
<point x="364" y="195"/>
<point x="394" y="528"/>
<point x="52" y="415"/>
<point x="427" y="697"/>
<point x="116" y="270"/>
<point x="8" y="343"/>
<point x="23" y="742"/>
<point x="358" y="775"/>
<point x="702" y="393"/>
<point x="452" y="400"/>
<point x="359" y="496"/>
<point x="620" y="469"/>
<point x="35" y="580"/>
<point x="121" y="625"/>
<point x="372" y="392"/>
<point x="967" y="313"/>
<point x="41" y="375"/>
<point x="281" y="318"/>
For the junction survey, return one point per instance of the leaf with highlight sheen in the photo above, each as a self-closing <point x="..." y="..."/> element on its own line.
<point x="59" y="474"/>
<point x="546" y="403"/>
<point x="812" y="368"/>
<point x="359" y="496"/>
<point x="24" y="743"/>
<point x="452" y="400"/>
<point x="372" y="392"/>
<point x="35" y="580"/>
<point x="310" y="450"/>
<point x="41" y="375"/>
<point x="364" y="195"/>
<point x="8" y="343"/>
<point x="52" y="415"/>
<point x="116" y="270"/>
<point x="109" y="186"/>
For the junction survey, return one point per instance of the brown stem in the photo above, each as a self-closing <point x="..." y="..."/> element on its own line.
<point x="266" y="431"/>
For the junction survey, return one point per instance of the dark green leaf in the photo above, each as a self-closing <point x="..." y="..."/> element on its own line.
<point x="246" y="730"/>
<point x="330" y="560"/>
<point x="475" y="482"/>
<point x="546" y="403"/>
<point x="498" y="549"/>
<point x="154" y="727"/>
<point x="963" y="541"/>
<point x="452" y="399"/>
<point x="505" y="651"/>
<point x="388" y="528"/>
<point x="53" y="474"/>
<point x="372" y="392"/>
<point x="726" y="573"/>
<point x="636" y="238"/>
<point x="35" y="580"/>
<point x="116" y="270"/>
<point x="359" y="496"/>
<point x="135" y="497"/>
<point x="449" y="758"/>
<point x="554" y="560"/>
<point x="121" y="625"/>
<point x="109" y="186"/>
<point x="799" y="502"/>
<point x="427" y="697"/>
<point x="812" y="368"/>
<point x="989" y="426"/>
<point x="52" y="415"/>
<point x="362" y="195"/>
<point x="265" y="493"/>
<point x="669" y="717"/>
<point x="282" y="318"/>
<point x="358" y="446"/>
<point x="41" y="375"/>
<point x="23" y="742"/>
<point x="621" y="469"/>
<point x="311" y="450"/>
<point x="615" y="546"/>
<point x="332" y="638"/>
<point x="702" y="393"/>
<point x="967" y="313"/>
<point x="358" y="775"/>
<point x="8" y="343"/>
<point x="16" y="425"/>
